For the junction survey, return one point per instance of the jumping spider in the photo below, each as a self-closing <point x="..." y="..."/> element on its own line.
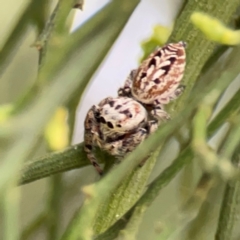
<point x="157" y="81"/>
<point x="116" y="125"/>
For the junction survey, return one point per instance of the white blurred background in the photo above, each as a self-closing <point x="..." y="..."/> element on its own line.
<point x="125" y="53"/>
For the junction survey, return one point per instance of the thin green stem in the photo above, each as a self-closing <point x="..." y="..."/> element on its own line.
<point x="229" y="210"/>
<point x="53" y="33"/>
<point x="131" y="229"/>
<point x="38" y="222"/>
<point x="151" y="193"/>
<point x="117" y="204"/>
<point x="233" y="138"/>
<point x="11" y="213"/>
<point x="13" y="42"/>
<point x="199" y="48"/>
<point x="71" y="158"/>
<point x="231" y="107"/>
<point x="54" y="207"/>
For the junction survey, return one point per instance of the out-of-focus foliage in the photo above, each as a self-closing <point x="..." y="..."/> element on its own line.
<point x="215" y="30"/>
<point x="5" y="112"/>
<point x="121" y="204"/>
<point x="57" y="131"/>
<point x="159" y="37"/>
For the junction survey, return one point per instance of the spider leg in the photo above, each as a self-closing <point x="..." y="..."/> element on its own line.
<point x="122" y="146"/>
<point x="90" y="125"/>
<point x="159" y="113"/>
<point x="153" y="125"/>
<point x="178" y="92"/>
<point x="126" y="89"/>
<point x="172" y="96"/>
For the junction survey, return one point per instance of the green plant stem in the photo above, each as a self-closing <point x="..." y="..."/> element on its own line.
<point x="53" y="36"/>
<point x="13" y="41"/>
<point x="42" y="40"/>
<point x="11" y="213"/>
<point x="54" y="207"/>
<point x="33" y="226"/>
<point x="151" y="193"/>
<point x="233" y="138"/>
<point x="71" y="158"/>
<point x="200" y="225"/>
<point x="131" y="229"/>
<point x="132" y="186"/>
<point x="230" y="208"/>
<point x="210" y="161"/>
<point x="191" y="208"/>
<point x="199" y="49"/>
<point x="231" y="107"/>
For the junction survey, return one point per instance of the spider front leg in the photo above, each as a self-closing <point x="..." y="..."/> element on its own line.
<point x="91" y="125"/>
<point x="129" y="142"/>
<point x="152" y="126"/>
<point x="126" y="143"/>
<point x="125" y="91"/>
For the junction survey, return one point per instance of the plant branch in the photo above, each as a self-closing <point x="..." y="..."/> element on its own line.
<point x="33" y="226"/>
<point x="229" y="209"/>
<point x="13" y="41"/>
<point x="71" y="158"/>
<point x="11" y="212"/>
<point x="132" y="186"/>
<point x="54" y="207"/>
<point x="199" y="48"/>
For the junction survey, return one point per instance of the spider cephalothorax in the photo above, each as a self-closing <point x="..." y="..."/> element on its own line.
<point x="157" y="81"/>
<point x="116" y="125"/>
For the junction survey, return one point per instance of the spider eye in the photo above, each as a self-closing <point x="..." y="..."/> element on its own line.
<point x="143" y="75"/>
<point x="102" y="120"/>
<point x="110" y="125"/>
<point x="130" y="115"/>
<point x="97" y="115"/>
<point x="157" y="81"/>
<point x="119" y="125"/>
<point x="88" y="146"/>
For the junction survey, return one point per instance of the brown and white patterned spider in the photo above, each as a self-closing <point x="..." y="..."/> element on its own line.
<point x="116" y="125"/>
<point x="157" y="81"/>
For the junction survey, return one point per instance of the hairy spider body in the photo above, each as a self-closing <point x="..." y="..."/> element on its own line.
<point x="157" y="81"/>
<point x="116" y="125"/>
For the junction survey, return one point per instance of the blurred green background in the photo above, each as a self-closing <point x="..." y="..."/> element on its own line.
<point x="35" y="197"/>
